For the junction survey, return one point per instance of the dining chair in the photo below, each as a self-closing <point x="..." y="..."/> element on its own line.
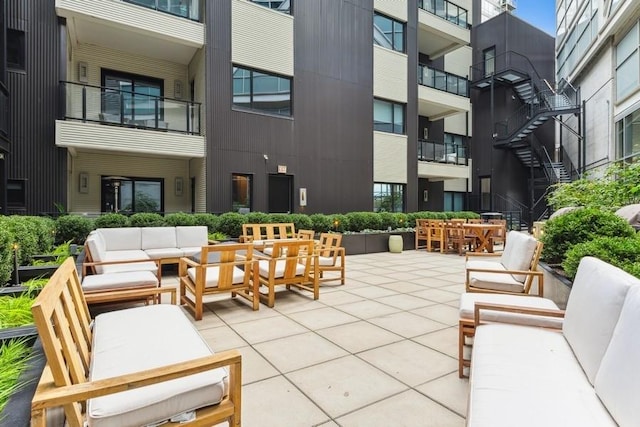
<point x="422" y="231"/>
<point x="499" y="236"/>
<point x="457" y="238"/>
<point x="331" y="257"/>
<point x="437" y="235"/>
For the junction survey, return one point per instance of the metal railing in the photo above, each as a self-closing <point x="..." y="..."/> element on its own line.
<point x="446" y="10"/>
<point x="506" y="61"/>
<point x="443" y="80"/>
<point x="441" y="152"/>
<point x="121" y="108"/>
<point x="189" y="9"/>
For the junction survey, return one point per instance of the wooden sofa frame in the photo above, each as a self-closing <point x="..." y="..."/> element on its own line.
<point x="253" y="232"/>
<point x="64" y="326"/>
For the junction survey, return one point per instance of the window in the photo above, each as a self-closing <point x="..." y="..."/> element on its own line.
<point x="485" y="193"/>
<point x="241" y="191"/>
<point x="137" y="98"/>
<point x="258" y="90"/>
<point x="132" y="194"/>
<point x="453" y="202"/>
<point x="388" y="32"/>
<point x="628" y="137"/>
<point x="15" y="50"/>
<point x="388" y="197"/>
<point x="388" y="116"/>
<point x="279" y="5"/>
<point x="16" y="194"/>
<point x="489" y="59"/>
<point x="628" y="63"/>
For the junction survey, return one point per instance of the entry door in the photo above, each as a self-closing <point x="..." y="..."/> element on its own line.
<point x="280" y="193"/>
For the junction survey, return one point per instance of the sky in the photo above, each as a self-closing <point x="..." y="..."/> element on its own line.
<point x="539" y="13"/>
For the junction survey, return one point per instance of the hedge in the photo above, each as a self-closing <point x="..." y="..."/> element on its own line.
<point x="623" y="252"/>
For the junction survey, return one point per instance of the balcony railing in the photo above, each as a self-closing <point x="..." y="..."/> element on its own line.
<point x="442" y="80"/>
<point x="437" y="151"/>
<point x="189" y="9"/>
<point x="121" y="108"/>
<point x="446" y="10"/>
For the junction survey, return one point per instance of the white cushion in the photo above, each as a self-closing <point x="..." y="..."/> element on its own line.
<point x="190" y="251"/>
<point x="96" y="246"/>
<point x="495" y="281"/>
<point x="134" y="279"/>
<point x="328" y="261"/>
<point x="279" y="268"/>
<point x="212" y="274"/>
<point x="618" y="379"/>
<point x="141" y="338"/>
<point x="126" y="256"/>
<point x="469" y="299"/>
<point x="593" y="308"/>
<point x="191" y="236"/>
<point x="121" y="239"/>
<point x="158" y="237"/>
<point x="164" y="253"/>
<point x="528" y="377"/>
<point x="518" y="253"/>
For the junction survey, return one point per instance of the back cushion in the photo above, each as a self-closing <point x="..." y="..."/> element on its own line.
<point x="518" y="253"/>
<point x="121" y="239"/>
<point x="191" y="236"/>
<point x="96" y="246"/>
<point x="618" y="379"/>
<point x="158" y="237"/>
<point x="593" y="308"/>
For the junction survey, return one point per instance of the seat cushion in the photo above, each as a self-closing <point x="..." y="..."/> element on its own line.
<point x="121" y="239"/>
<point x="164" y="253"/>
<point x="469" y="299"/>
<point x="528" y="377"/>
<point x="279" y="268"/>
<point x="518" y="253"/>
<point x="191" y="251"/>
<point x="141" y="338"/>
<point x="328" y="261"/>
<point x="134" y="279"/>
<point x="593" y="308"/>
<point x="191" y="236"/>
<point x="212" y="274"/>
<point x="125" y="256"/>
<point x="97" y="246"/>
<point x="158" y="237"/>
<point x="495" y="281"/>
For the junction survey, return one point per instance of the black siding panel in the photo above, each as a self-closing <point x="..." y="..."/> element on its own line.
<point x="34" y="156"/>
<point x="412" y="195"/>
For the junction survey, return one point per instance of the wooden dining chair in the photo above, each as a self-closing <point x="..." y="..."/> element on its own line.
<point x="331" y="257"/>
<point x="437" y="235"/>
<point x="499" y="236"/>
<point x="422" y="231"/>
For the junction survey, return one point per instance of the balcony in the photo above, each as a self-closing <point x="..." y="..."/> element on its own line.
<point x="437" y="159"/>
<point x="443" y="27"/>
<point x="441" y="94"/>
<point x="126" y="121"/>
<point x="148" y="28"/>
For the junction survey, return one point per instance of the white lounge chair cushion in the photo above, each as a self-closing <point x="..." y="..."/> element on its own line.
<point x="158" y="237"/>
<point x="618" y="379"/>
<point x="528" y="377"/>
<point x="124" y="342"/>
<point x="124" y="267"/>
<point x="212" y="274"/>
<point x="164" y="253"/>
<point x="593" y="308"/>
<point x="328" y="261"/>
<point x="191" y="236"/>
<point x="469" y="299"/>
<point x="495" y="281"/>
<point x="191" y="251"/>
<point x="279" y="268"/>
<point x="97" y="246"/>
<point x="518" y="253"/>
<point x="134" y="279"/>
<point x="121" y="239"/>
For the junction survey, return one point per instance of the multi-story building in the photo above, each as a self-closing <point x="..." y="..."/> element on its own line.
<point x="4" y="110"/>
<point x="187" y="105"/>
<point x="598" y="52"/>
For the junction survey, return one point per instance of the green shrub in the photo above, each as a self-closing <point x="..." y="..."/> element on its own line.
<point x="257" y="218"/>
<point x="112" y="220"/>
<point x="623" y="252"/>
<point x="146" y="219"/>
<point x="14" y="356"/>
<point x="208" y="220"/>
<point x="582" y="225"/>
<point x="73" y="228"/>
<point x="179" y="219"/>
<point x="22" y="233"/>
<point x="339" y="223"/>
<point x="230" y="223"/>
<point x="279" y="218"/>
<point x="301" y="221"/>
<point x="320" y="223"/>
<point x="359" y="221"/>
<point x="401" y="220"/>
<point x="45" y="230"/>
<point x="387" y="220"/>
<point x="218" y="236"/>
<point x="6" y="256"/>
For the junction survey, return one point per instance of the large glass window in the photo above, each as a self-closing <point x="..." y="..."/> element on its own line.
<point x="388" y="197"/>
<point x="279" y="5"/>
<point x="132" y="194"/>
<point x="241" y="191"/>
<point x="489" y="59"/>
<point x="628" y="63"/>
<point x="453" y="202"/>
<point x="485" y="193"/>
<point x="388" y="116"/>
<point x="16" y="194"/>
<point x="137" y="99"/>
<point x="628" y="137"/>
<point x="258" y="90"/>
<point x="388" y="32"/>
<point x="15" y="50"/>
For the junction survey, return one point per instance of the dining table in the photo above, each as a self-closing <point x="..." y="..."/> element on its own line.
<point x="483" y="232"/>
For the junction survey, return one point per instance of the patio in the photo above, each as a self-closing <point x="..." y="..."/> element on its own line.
<point x="380" y="350"/>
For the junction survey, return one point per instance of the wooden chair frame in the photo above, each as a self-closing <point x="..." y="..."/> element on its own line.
<point x="422" y="233"/>
<point x="253" y="232"/>
<point x="329" y="247"/>
<point x="62" y="318"/>
<point x="437" y="234"/>
<point x="229" y="256"/>
<point x="293" y="254"/>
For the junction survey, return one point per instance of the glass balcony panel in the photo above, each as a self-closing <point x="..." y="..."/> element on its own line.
<point x="446" y="10"/>
<point x="184" y="8"/>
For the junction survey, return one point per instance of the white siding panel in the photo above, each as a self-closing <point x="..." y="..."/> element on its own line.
<point x="261" y="38"/>
<point x="443" y="171"/>
<point x="459" y="185"/>
<point x="459" y="61"/>
<point x="97" y="165"/>
<point x="389" y="158"/>
<point x="394" y="8"/>
<point x="389" y="74"/>
<point x="89" y="136"/>
<point x="135" y="18"/>
<point x="457" y="124"/>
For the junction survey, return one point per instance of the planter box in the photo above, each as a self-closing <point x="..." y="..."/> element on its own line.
<point x="366" y="243"/>
<point x="556" y="287"/>
<point x="27" y="272"/>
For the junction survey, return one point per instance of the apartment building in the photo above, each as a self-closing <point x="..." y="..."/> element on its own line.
<point x="274" y="106"/>
<point x="597" y="51"/>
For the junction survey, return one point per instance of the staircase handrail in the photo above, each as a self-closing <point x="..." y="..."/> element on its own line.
<point x="509" y="60"/>
<point x="565" y="159"/>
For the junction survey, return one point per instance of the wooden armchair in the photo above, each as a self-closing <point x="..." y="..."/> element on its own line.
<point x="292" y="263"/>
<point x="511" y="273"/>
<point x="422" y="231"/>
<point x="457" y="238"/>
<point x="331" y="256"/>
<point x="437" y="235"/>
<point x="221" y="269"/>
<point x="500" y="235"/>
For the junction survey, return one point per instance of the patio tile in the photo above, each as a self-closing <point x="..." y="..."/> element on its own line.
<point x="410" y="362"/>
<point x="372" y="292"/>
<point x="340" y="297"/>
<point x="222" y="338"/>
<point x="440" y="313"/>
<point x="359" y="336"/>
<point x="237" y="312"/>
<point x="443" y="340"/>
<point x="404" y="301"/>
<point x="403" y="287"/>
<point x="255" y="367"/>
<point x="406" y="324"/>
<point x="450" y="391"/>
<point x="321" y="318"/>
<point x="405" y="409"/>
<point x="367" y="309"/>
<point x="437" y="295"/>
<point x="343" y="385"/>
<point x="376" y="279"/>
<point x="299" y="351"/>
<point x="268" y="329"/>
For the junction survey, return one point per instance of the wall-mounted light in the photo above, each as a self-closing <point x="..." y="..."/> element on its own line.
<point x="265" y="157"/>
<point x="83" y="72"/>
